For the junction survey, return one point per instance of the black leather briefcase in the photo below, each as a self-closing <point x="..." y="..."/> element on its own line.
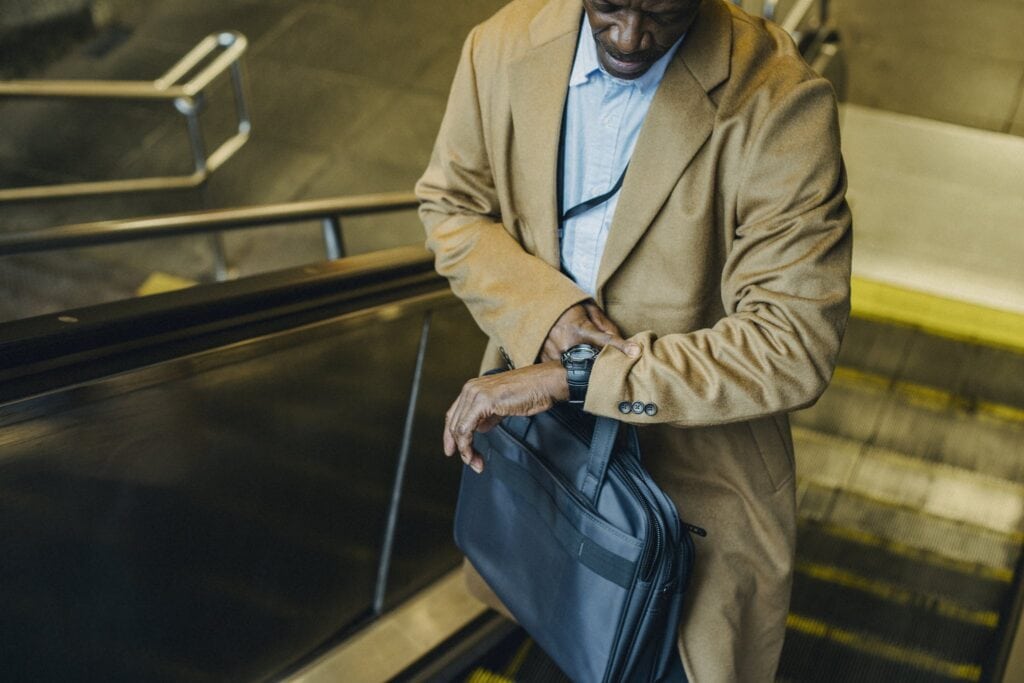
<point x="579" y="543"/>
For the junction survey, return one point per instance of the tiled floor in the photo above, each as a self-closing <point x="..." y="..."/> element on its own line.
<point x="959" y="62"/>
<point x="346" y="98"/>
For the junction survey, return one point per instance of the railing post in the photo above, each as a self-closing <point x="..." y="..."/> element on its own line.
<point x="190" y="108"/>
<point x="221" y="268"/>
<point x="333" y="239"/>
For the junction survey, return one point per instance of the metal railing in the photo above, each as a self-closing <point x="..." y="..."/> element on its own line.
<point x="797" y="17"/>
<point x="328" y="211"/>
<point x="809" y="23"/>
<point x="188" y="98"/>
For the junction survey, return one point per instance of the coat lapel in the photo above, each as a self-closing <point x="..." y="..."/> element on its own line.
<point x="678" y="123"/>
<point x="539" y="81"/>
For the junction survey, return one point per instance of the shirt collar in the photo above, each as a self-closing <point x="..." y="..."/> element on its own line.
<point x="585" y="63"/>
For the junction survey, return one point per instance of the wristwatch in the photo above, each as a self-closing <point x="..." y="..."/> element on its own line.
<point x="578" y="361"/>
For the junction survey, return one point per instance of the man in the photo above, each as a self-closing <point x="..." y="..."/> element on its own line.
<point x="715" y="281"/>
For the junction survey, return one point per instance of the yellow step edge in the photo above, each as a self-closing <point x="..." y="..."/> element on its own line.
<point x="924" y="396"/>
<point x="906" y="461"/>
<point x="485" y="676"/>
<point x="897" y="594"/>
<point x="940" y="316"/>
<point x="900" y="549"/>
<point x="158" y="282"/>
<point x="876" y="647"/>
<point x="1011" y="535"/>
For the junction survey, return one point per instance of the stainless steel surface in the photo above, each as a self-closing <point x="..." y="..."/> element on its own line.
<point x="221" y="268"/>
<point x="801" y="14"/>
<point x="396" y="641"/>
<point x="334" y="239"/>
<point x="107" y="232"/>
<point x="388" y="544"/>
<point x="185" y="97"/>
<point x="939" y="206"/>
<point x="1014" y="668"/>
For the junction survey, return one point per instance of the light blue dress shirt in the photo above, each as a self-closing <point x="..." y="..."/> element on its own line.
<point x="602" y="124"/>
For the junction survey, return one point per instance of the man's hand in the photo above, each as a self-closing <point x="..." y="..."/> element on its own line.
<point x="584" y="323"/>
<point x="485" y="400"/>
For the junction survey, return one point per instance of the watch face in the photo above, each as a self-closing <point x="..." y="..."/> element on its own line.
<point x="579" y="354"/>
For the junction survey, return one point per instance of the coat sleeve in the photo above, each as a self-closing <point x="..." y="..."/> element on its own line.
<point x="515" y="297"/>
<point x="785" y="287"/>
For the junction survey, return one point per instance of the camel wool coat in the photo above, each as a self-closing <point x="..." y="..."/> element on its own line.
<point x="728" y="261"/>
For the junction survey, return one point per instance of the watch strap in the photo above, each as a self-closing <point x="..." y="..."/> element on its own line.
<point x="577" y="371"/>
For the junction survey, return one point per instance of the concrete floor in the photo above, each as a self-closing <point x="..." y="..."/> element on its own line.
<point x="958" y="62"/>
<point x="346" y="99"/>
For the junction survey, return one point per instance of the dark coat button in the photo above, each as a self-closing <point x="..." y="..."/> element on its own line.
<point x="651" y="409"/>
<point x="625" y="407"/>
<point x="638" y="407"/>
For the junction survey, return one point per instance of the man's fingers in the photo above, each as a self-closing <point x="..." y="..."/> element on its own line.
<point x="466" y="422"/>
<point x="631" y="349"/>
<point x="449" y="442"/>
<point x="484" y="401"/>
<point x="590" y="334"/>
<point x="447" y="437"/>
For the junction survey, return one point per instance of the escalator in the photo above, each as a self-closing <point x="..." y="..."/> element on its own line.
<point x="198" y="485"/>
<point x="243" y="481"/>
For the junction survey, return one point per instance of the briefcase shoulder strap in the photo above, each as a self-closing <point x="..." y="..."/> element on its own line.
<point x="601" y="445"/>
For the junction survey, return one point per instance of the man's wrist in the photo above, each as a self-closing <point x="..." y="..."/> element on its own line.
<point x="557" y="382"/>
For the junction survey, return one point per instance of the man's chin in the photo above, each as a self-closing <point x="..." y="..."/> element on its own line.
<point x="621" y="69"/>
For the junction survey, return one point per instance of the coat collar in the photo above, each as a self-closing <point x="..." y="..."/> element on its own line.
<point x="679" y="121"/>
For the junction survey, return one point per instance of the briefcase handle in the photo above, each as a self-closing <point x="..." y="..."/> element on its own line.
<point x="602" y="443"/>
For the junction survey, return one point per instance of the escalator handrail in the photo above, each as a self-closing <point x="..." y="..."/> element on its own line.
<point x="200" y="222"/>
<point x="42" y="353"/>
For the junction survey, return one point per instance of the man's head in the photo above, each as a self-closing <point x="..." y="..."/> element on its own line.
<point x="632" y="34"/>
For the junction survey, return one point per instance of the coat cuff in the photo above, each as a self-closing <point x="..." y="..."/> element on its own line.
<point x="610" y="394"/>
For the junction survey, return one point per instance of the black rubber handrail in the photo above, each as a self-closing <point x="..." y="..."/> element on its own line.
<point x="43" y="352"/>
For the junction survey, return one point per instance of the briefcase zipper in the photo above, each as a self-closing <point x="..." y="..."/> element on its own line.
<point x="651" y="552"/>
<point x="694" y="529"/>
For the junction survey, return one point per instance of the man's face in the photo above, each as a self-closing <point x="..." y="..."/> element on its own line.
<point x="632" y="34"/>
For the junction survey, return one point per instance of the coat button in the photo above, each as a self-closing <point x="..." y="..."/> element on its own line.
<point x="638" y="407"/>
<point x="625" y="407"/>
<point x="651" y="409"/>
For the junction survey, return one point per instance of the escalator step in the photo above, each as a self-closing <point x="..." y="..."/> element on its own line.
<point x="820" y="546"/>
<point x="914" y="626"/>
<point x="518" y="661"/>
<point x="815" y="652"/>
